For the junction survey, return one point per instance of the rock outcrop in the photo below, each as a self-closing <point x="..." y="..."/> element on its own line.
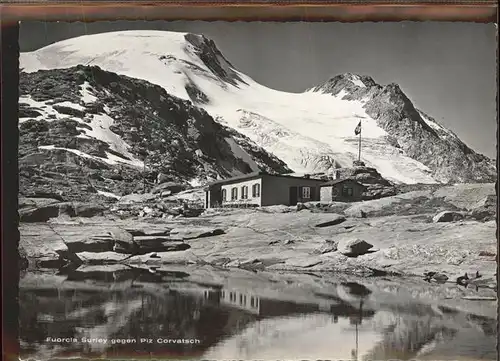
<point x="485" y="210"/>
<point x="376" y="185"/>
<point x="448" y="216"/>
<point x="356" y="247"/>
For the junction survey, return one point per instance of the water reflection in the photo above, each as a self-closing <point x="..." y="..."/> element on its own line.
<point x="131" y="312"/>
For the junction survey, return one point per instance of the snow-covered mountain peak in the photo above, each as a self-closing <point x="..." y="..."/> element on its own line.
<point x="172" y="60"/>
<point x="346" y="83"/>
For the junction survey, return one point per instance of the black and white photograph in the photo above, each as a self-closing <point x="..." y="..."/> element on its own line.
<point x="258" y="190"/>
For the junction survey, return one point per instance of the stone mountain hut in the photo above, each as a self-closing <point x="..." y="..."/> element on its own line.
<point x="262" y="189"/>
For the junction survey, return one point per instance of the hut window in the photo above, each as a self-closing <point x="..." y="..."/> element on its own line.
<point x="306" y="192"/>
<point x="256" y="190"/>
<point x="234" y="193"/>
<point x="244" y="192"/>
<point x="347" y="192"/>
<point x="224" y="195"/>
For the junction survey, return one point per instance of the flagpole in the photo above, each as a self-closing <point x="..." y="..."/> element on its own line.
<point x="359" y="150"/>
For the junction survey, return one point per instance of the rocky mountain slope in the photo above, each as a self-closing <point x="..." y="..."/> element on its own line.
<point x="87" y="132"/>
<point x="402" y="143"/>
<point x="417" y="134"/>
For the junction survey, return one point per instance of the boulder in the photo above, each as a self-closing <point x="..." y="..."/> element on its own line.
<point x="485" y="209"/>
<point x="101" y="258"/>
<point x="249" y="264"/>
<point x="46" y="209"/>
<point x="39" y="194"/>
<point x="137" y="198"/>
<point x="300" y="206"/>
<point x="162" y="178"/>
<point x="488" y="201"/>
<point x="356" y="247"/>
<point x="69" y="111"/>
<point x="176" y="211"/>
<point x="167" y="246"/>
<point x="46" y="252"/>
<point x="173" y="187"/>
<point x="25" y="203"/>
<point x="484" y="214"/>
<point x="66" y="209"/>
<point x="328" y="247"/>
<point x="303" y="263"/>
<point x="193" y="233"/>
<point x="146" y="241"/>
<point x="436" y="277"/>
<point x="448" y="216"/>
<point x="88" y="209"/>
<point x="149" y="232"/>
<point x="39" y="214"/>
<point x="336" y="219"/>
<point x="147" y="210"/>
<point x="93" y="243"/>
<point x="123" y="241"/>
<point x="355" y="212"/>
<point x="192" y="212"/>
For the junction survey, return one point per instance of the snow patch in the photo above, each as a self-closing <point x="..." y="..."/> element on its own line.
<point x="340" y="94"/>
<point x="86" y="93"/>
<point x="357" y="81"/>
<point x="132" y="162"/>
<point x="100" y="124"/>
<point x="108" y="194"/>
<point x="195" y="182"/>
<point x="112" y="159"/>
<point x="47" y="111"/>
<point x="71" y="105"/>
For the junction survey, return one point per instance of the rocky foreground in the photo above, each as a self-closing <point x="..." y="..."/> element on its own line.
<point x="449" y="231"/>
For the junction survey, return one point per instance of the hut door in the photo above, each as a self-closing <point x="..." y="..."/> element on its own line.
<point x="293" y="195"/>
<point x="312" y="196"/>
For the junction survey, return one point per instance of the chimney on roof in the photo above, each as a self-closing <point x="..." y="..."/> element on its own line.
<point x="307" y="176"/>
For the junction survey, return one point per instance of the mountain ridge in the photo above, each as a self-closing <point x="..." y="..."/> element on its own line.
<point x="397" y="140"/>
<point x="423" y="145"/>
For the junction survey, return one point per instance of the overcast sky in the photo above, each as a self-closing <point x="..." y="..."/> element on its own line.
<point x="448" y="70"/>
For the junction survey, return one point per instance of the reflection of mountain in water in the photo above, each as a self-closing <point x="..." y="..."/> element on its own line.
<point x="152" y="304"/>
<point x="208" y="314"/>
<point x="263" y="307"/>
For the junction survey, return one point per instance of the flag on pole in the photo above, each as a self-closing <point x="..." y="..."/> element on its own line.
<point x="358" y="128"/>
